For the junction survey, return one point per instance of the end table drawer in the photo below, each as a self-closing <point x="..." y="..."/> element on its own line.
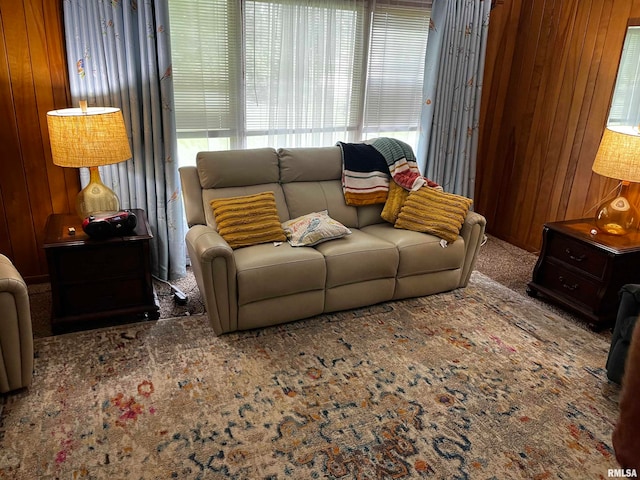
<point x="566" y="283"/>
<point x="77" y="265"/>
<point x="578" y="255"/>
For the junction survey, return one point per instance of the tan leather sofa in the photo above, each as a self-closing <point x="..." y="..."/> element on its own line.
<point x="264" y="285"/>
<point x="16" y="338"/>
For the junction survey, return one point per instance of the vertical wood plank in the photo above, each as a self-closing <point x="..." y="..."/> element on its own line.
<point x="61" y="97"/>
<point x="534" y="144"/>
<point x="532" y="44"/>
<point x="495" y="108"/>
<point x="16" y="198"/>
<point x="44" y="95"/>
<point x="5" y="245"/>
<point x="32" y="81"/>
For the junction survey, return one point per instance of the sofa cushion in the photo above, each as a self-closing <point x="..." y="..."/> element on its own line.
<point x="420" y="253"/>
<point x="238" y="168"/>
<point x="310" y="164"/>
<point x="369" y="215"/>
<point x="432" y="211"/>
<point x="357" y="258"/>
<point x="266" y="271"/>
<point x="248" y="220"/>
<point x="312" y="229"/>
<point x="307" y="197"/>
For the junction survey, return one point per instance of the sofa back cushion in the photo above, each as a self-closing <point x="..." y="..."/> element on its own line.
<point x="234" y="173"/>
<point x="312" y="182"/>
<point x="310" y="164"/>
<point x="237" y="168"/>
<point x="306" y="197"/>
<point x="370" y="215"/>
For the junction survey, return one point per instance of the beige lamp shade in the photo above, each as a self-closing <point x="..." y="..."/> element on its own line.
<point x="619" y="154"/>
<point x="88" y="138"/>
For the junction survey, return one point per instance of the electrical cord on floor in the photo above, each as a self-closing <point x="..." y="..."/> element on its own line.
<point x="178" y="295"/>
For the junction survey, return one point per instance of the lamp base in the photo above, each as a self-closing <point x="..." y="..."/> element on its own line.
<point x="96" y="196"/>
<point x="617" y="216"/>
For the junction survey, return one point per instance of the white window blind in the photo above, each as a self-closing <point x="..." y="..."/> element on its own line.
<point x="303" y="70"/>
<point x="397" y="50"/>
<point x="251" y="73"/>
<point x="625" y="104"/>
<point x="206" y="51"/>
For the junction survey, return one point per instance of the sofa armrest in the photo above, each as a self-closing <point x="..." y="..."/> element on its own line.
<point x="473" y="233"/>
<point x="16" y="338"/>
<point x="215" y="271"/>
<point x="192" y="195"/>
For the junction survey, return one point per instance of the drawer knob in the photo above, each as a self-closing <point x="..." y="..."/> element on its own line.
<point x="579" y="258"/>
<point x="566" y="285"/>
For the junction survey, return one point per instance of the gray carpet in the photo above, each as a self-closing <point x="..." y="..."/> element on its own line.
<point x="505" y="263"/>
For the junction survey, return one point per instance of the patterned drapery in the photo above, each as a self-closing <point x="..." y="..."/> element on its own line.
<point x="118" y="54"/>
<point x="450" y="116"/>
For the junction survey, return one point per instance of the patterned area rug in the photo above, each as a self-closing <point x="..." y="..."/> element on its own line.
<point x="475" y="383"/>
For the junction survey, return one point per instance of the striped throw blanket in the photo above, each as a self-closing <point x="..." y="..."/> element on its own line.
<point x="368" y="167"/>
<point x="402" y="164"/>
<point x="365" y="174"/>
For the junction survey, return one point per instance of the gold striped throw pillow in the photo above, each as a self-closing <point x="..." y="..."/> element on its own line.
<point x="431" y="211"/>
<point x="395" y="200"/>
<point x="248" y="220"/>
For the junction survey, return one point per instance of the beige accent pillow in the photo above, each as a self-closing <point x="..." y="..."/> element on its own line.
<point x="313" y="228"/>
<point x="395" y="199"/>
<point x="248" y="220"/>
<point x="431" y="211"/>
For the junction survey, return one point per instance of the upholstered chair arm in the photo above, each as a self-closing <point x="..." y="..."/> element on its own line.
<point x="215" y="272"/>
<point x="16" y="338"/>
<point x="473" y="233"/>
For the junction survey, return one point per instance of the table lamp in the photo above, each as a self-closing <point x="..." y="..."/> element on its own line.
<point x="618" y="157"/>
<point x="89" y="137"/>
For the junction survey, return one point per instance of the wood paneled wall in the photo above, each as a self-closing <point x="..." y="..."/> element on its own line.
<point x="33" y="80"/>
<point x="549" y="75"/>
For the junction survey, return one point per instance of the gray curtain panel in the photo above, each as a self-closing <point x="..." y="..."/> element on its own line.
<point x="118" y="54"/>
<point x="450" y="117"/>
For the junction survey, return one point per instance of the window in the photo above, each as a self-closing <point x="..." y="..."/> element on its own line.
<point x="303" y="71"/>
<point x="625" y="104"/>
<point x="395" y="72"/>
<point x="253" y="73"/>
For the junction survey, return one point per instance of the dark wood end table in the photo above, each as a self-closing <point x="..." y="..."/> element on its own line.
<point x="96" y="283"/>
<point x="584" y="271"/>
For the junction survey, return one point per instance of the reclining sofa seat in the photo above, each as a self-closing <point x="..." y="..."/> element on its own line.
<point x="264" y="285"/>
